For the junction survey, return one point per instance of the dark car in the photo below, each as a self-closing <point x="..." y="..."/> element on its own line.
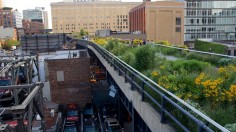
<point x="90" y="111"/>
<point x="108" y="110"/>
<point x="71" y="128"/>
<point x="90" y="126"/>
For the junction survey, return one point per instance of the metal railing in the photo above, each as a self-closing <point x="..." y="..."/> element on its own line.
<point x="143" y="85"/>
<point x="196" y="51"/>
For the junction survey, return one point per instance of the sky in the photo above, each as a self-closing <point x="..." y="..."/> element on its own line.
<point x="31" y="4"/>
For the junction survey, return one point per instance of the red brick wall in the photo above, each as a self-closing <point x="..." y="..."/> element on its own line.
<point x="76" y="85"/>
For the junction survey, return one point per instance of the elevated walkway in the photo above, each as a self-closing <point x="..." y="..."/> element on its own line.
<point x="148" y="114"/>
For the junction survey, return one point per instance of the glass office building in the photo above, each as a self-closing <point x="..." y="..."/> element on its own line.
<point x="210" y="19"/>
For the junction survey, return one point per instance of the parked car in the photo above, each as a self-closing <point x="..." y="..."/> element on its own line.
<point x="90" y="112"/>
<point x="71" y="128"/>
<point x="108" y="110"/>
<point x="112" y="125"/>
<point x="90" y="126"/>
<point x="72" y="113"/>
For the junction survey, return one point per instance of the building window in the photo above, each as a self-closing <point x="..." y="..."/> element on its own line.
<point x="178" y="21"/>
<point x="178" y="29"/>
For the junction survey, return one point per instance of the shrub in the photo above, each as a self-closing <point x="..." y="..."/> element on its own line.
<point x="9" y="43"/>
<point x="226" y="61"/>
<point x="111" y="44"/>
<point x="203" y="57"/>
<point x="144" y="57"/>
<point x="119" y="49"/>
<point x="231" y="127"/>
<point x="189" y="65"/>
<point x="129" y="58"/>
<point x="210" y="47"/>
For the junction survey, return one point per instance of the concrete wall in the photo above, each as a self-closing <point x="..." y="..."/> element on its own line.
<point x="70" y="80"/>
<point x="8" y="33"/>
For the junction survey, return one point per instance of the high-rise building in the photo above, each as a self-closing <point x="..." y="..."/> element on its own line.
<point x="91" y="16"/>
<point x="45" y="16"/>
<point x="45" y="19"/>
<point x="210" y="19"/>
<point x="160" y="20"/>
<point x="17" y="19"/>
<point x="6" y="17"/>
<point x="38" y="14"/>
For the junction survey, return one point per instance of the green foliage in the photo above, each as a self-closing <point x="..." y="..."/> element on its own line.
<point x="111" y="44"/>
<point x="210" y="47"/>
<point x="189" y="65"/>
<point x="227" y="61"/>
<point x="202" y="57"/>
<point x="179" y="77"/>
<point x="83" y="32"/>
<point x="9" y="43"/>
<point x="222" y="114"/>
<point x="124" y="41"/>
<point x="231" y="127"/>
<point x="119" y="49"/>
<point x="144" y="57"/>
<point x="129" y="58"/>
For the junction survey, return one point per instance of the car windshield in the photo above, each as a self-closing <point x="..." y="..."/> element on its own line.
<point x="70" y="129"/>
<point x="72" y="113"/>
<point x="114" y="128"/>
<point x="88" y="112"/>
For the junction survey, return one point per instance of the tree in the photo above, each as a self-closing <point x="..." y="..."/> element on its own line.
<point x="82" y="32"/>
<point x="9" y="43"/>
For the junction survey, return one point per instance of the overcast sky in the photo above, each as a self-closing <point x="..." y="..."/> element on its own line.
<point x="31" y="4"/>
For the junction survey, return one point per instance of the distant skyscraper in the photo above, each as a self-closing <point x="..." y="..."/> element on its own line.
<point x="45" y="16"/>
<point x="17" y="19"/>
<point x="38" y="14"/>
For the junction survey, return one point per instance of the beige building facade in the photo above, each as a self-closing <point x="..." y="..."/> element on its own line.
<point x="68" y="17"/>
<point x="160" y="20"/>
<point x="1" y="4"/>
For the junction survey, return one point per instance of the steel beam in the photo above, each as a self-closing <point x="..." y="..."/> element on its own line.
<point x="19" y="86"/>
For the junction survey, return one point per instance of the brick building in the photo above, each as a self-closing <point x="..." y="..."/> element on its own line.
<point x="6" y="17"/>
<point x="160" y="20"/>
<point x="32" y="27"/>
<point x="69" y="80"/>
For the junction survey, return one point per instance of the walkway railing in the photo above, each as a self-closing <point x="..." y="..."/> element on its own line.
<point x="195" y="51"/>
<point x="158" y="96"/>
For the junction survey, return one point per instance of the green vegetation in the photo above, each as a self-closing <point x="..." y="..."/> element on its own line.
<point x="193" y="78"/>
<point x="80" y="34"/>
<point x="210" y="47"/>
<point x="9" y="43"/>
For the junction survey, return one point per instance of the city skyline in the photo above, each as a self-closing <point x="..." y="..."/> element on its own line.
<point x="29" y="4"/>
